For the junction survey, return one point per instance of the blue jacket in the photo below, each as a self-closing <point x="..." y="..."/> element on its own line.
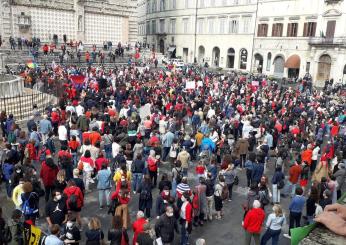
<point x="104" y="178"/>
<point x="45" y="126"/>
<point x="7" y="170"/>
<point x="297" y="204"/>
<point x="167" y="139"/>
<point x="207" y="144"/>
<point x="257" y="172"/>
<point x="9" y="123"/>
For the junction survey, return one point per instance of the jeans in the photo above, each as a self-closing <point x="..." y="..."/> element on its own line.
<point x="47" y="192"/>
<point x="273" y="234"/>
<point x="153" y="178"/>
<point x="184" y="235"/>
<point x="294" y="220"/>
<point x="230" y="189"/>
<point x="87" y="180"/>
<point x="210" y="203"/>
<point x="136" y="180"/>
<point x="104" y="193"/>
<point x="248" y="236"/>
<point x="108" y="150"/>
<point x="290" y="189"/>
<point x="74" y="159"/>
<point x="276" y="193"/>
<point x="8" y="188"/>
<point x="165" y="153"/>
<point x="174" y="187"/>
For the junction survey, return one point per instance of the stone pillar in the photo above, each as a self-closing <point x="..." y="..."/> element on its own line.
<point x="79" y="20"/>
<point x="2" y="64"/>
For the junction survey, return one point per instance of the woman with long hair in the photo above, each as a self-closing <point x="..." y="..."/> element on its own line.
<point x="145" y="196"/>
<point x="94" y="234"/>
<point x="274" y="224"/>
<point x="60" y="183"/>
<point x="117" y="233"/>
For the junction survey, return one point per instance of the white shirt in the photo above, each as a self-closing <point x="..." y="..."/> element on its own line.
<point x="79" y="110"/>
<point x="115" y="149"/>
<point x="123" y="112"/>
<point x="315" y="153"/>
<point x="275" y="223"/>
<point x="62" y="132"/>
<point x="210" y="113"/>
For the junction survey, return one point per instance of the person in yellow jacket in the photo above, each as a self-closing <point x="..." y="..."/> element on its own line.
<point x="122" y="172"/>
<point x="16" y="195"/>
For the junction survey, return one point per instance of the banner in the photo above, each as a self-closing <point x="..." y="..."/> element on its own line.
<point x="33" y="235"/>
<point x="190" y="85"/>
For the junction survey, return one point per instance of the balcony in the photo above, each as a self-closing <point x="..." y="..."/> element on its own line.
<point x="332" y="1"/>
<point x="325" y="41"/>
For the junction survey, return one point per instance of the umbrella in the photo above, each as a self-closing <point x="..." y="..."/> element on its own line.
<point x="31" y="65"/>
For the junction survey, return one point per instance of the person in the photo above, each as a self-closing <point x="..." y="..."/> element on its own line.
<point x="296" y="208"/>
<point x="48" y="174"/>
<point x="274" y="224"/>
<point x="311" y="202"/>
<point x="16" y="228"/>
<point x="86" y="164"/>
<point x="340" y="176"/>
<point x="144" y="238"/>
<point x="122" y="193"/>
<point x="278" y="182"/>
<point x="145" y="196"/>
<point x="53" y="238"/>
<point x="78" y="181"/>
<point x="165" y="182"/>
<point x="219" y="189"/>
<point x="166" y="225"/>
<point x="177" y="175"/>
<point x="185" y="219"/>
<point x="75" y="203"/>
<point x="94" y="235"/>
<point x="70" y="233"/>
<point x="56" y="210"/>
<point x="249" y="166"/>
<point x="138" y="226"/>
<point x="327" y="198"/>
<point x="5" y="237"/>
<point x="264" y="192"/>
<point x="30" y="202"/>
<point x="184" y="157"/>
<point x="200" y="202"/>
<point x="60" y="183"/>
<point x="253" y="222"/>
<point x="230" y="174"/>
<point x="294" y="173"/>
<point x="152" y="165"/>
<point x="137" y="169"/>
<point x="104" y="185"/>
<point x="334" y="218"/>
<point x="117" y="235"/>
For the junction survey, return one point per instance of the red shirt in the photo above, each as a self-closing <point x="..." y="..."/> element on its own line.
<point x="77" y="192"/>
<point x="48" y="174"/>
<point x="200" y="169"/>
<point x="99" y="162"/>
<point x="294" y="173"/>
<point x="254" y="220"/>
<point x="137" y="227"/>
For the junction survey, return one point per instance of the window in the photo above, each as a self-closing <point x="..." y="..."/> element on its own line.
<point x="309" y="29"/>
<point x="201" y="3"/>
<point x="185" y="25"/>
<point x="307" y="69"/>
<point x="148" y="8"/>
<point x="222" y="25"/>
<point x="148" y="27"/>
<point x="277" y="30"/>
<point x="153" y="27"/>
<point x="233" y="26"/>
<point x="153" y="6"/>
<point x="262" y="30"/>
<point x="243" y="59"/>
<point x="292" y="29"/>
<point x="162" y="26"/>
<point x="174" y="4"/>
<point x="162" y="5"/>
<point x="200" y="24"/>
<point x="246" y="22"/>
<point x="173" y="26"/>
<point x="269" y="61"/>
<point x="187" y="4"/>
<point x="211" y="26"/>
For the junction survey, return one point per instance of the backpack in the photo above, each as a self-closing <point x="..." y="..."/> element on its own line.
<point x="281" y="184"/>
<point x="6" y="235"/>
<point x="145" y="195"/>
<point x="225" y="192"/>
<point x="179" y="176"/>
<point x="26" y="209"/>
<point x="263" y="197"/>
<point x="73" y="201"/>
<point x="152" y="166"/>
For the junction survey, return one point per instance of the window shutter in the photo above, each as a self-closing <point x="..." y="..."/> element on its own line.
<point x="259" y="34"/>
<point x="289" y="29"/>
<point x="273" y="30"/>
<point x="313" y="31"/>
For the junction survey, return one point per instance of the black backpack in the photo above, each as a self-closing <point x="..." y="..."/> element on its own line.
<point x="179" y="176"/>
<point x="73" y="202"/>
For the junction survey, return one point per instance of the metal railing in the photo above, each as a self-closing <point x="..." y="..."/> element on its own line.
<point x="327" y="41"/>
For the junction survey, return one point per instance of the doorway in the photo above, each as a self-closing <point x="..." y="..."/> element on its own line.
<point x="279" y="65"/>
<point x="324" y="65"/>
<point x="201" y="54"/>
<point x="330" y="30"/>
<point x="216" y="56"/>
<point x="185" y="54"/>
<point x="230" y="58"/>
<point x="162" y="46"/>
<point x="258" y="65"/>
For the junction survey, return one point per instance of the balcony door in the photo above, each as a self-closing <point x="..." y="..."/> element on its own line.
<point x="330" y="30"/>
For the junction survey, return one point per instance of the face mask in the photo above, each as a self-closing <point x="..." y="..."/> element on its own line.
<point x="58" y="197"/>
<point x="18" y="171"/>
<point x="169" y="214"/>
<point x="69" y="224"/>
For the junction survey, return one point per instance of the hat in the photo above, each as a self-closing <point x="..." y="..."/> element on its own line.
<point x="256" y="204"/>
<point x="48" y="152"/>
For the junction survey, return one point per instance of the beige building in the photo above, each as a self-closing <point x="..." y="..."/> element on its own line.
<point x="91" y="21"/>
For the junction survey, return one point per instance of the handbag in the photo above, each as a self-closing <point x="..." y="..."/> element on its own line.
<point x="114" y="204"/>
<point x="172" y="152"/>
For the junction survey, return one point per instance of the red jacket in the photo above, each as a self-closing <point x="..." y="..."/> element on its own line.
<point x="74" y="190"/>
<point x="254" y="220"/>
<point x="122" y="195"/>
<point x="137" y="227"/>
<point x="186" y="213"/>
<point x="294" y="173"/>
<point x="48" y="174"/>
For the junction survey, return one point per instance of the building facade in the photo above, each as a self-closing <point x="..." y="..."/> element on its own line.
<point x="298" y="37"/>
<point x="90" y="21"/>
<point x="283" y="38"/>
<point x="219" y="32"/>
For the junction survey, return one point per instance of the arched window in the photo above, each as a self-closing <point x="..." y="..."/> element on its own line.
<point x="243" y="59"/>
<point x="269" y="61"/>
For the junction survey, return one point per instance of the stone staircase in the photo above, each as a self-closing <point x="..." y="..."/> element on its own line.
<point x="21" y="106"/>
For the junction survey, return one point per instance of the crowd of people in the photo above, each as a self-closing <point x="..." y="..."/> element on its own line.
<point x="141" y="131"/>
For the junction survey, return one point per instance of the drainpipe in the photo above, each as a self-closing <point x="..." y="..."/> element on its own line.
<point x="253" y="37"/>
<point x="196" y="13"/>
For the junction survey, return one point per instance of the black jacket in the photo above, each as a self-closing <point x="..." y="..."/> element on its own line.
<point x="165" y="227"/>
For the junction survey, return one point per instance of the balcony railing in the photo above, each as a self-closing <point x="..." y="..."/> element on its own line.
<point x="327" y="41"/>
<point x="332" y="1"/>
